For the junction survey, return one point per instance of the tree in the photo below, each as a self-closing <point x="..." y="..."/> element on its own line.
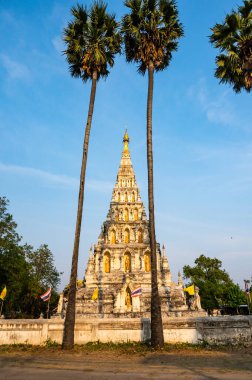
<point x="8" y="234"/>
<point x="151" y="31"/>
<point x="13" y="266"/>
<point x="233" y="296"/>
<point x="216" y="289"/>
<point x="92" y="40"/>
<point x="44" y="275"/>
<point x="26" y="273"/>
<point x="43" y="269"/>
<point x="234" y="39"/>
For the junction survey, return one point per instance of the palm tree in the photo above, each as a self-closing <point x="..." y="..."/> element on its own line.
<point x="234" y="39"/>
<point x="151" y="31"/>
<point x="92" y="40"/>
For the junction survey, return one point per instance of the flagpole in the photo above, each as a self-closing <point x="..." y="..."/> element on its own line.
<point x="48" y="307"/>
<point x="248" y="302"/>
<point x="1" y="308"/>
<point x="246" y="282"/>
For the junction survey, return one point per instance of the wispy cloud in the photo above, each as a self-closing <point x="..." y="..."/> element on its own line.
<point x="50" y="178"/>
<point x="14" y="69"/>
<point x="100" y="186"/>
<point x="217" y="108"/>
<point x="40" y="174"/>
<point x="58" y="44"/>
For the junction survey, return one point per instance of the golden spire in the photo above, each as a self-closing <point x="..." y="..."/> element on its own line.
<point x="126" y="142"/>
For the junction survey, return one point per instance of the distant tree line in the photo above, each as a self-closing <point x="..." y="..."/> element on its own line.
<point x="26" y="272"/>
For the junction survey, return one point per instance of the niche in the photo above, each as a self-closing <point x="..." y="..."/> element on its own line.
<point x="113" y="237"/>
<point x="127" y="262"/>
<point x="106" y="262"/>
<point x="126" y="236"/>
<point x="140" y="236"/>
<point x="135" y="214"/>
<point x="126" y="215"/>
<point x="147" y="263"/>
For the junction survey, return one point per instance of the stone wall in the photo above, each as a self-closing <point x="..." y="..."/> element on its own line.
<point x="214" y="330"/>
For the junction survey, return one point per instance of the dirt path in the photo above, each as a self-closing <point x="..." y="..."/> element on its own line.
<point x="232" y="364"/>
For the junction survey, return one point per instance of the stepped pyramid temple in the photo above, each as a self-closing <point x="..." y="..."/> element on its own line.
<point x="120" y="261"/>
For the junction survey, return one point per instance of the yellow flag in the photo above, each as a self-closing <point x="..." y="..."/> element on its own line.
<point x="95" y="294"/>
<point x="3" y="293"/>
<point x="190" y="290"/>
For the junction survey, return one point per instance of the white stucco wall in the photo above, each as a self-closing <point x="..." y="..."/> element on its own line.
<point x="214" y="330"/>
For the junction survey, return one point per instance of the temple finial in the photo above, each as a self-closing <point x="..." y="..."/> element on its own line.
<point x="180" y="280"/>
<point x="126" y="141"/>
<point x="91" y="251"/>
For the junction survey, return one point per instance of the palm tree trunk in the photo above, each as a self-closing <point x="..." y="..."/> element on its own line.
<point x="157" y="337"/>
<point x="68" y="335"/>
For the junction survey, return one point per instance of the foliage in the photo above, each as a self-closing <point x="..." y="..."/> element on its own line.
<point x="42" y="268"/>
<point x="151" y="31"/>
<point x="233" y="296"/>
<point x="92" y="40"/>
<point x="234" y="39"/>
<point x="23" y="271"/>
<point x="215" y="286"/>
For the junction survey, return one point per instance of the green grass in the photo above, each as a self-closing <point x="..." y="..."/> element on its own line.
<point x="127" y="348"/>
<point x="123" y="347"/>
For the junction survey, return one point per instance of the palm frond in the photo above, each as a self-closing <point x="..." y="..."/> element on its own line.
<point x="151" y="31"/>
<point x="92" y="40"/>
<point x="234" y="39"/>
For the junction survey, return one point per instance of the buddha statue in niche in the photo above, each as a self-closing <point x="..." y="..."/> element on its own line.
<point x="147" y="262"/>
<point x="126" y="236"/>
<point x="113" y="237"/>
<point x="128" y="301"/>
<point x="106" y="263"/>
<point x="127" y="263"/>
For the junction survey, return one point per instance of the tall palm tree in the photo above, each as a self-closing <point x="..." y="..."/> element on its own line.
<point x="92" y="40"/>
<point x="151" y="31"/>
<point x="234" y="39"/>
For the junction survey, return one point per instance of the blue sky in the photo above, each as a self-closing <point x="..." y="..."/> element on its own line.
<point x="202" y="139"/>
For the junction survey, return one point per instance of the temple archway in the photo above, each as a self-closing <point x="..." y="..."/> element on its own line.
<point x="127" y="262"/>
<point x="106" y="262"/>
<point x="119" y="197"/>
<point x="126" y="197"/>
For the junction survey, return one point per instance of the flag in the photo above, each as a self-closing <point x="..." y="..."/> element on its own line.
<point x="190" y="290"/>
<point x="95" y="294"/>
<point x="137" y="292"/>
<point x="246" y="287"/>
<point x="47" y="295"/>
<point x="3" y="293"/>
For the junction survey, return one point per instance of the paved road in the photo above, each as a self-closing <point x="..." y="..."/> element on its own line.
<point x="152" y="366"/>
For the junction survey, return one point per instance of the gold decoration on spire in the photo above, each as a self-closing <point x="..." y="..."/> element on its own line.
<point x="126" y="142"/>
